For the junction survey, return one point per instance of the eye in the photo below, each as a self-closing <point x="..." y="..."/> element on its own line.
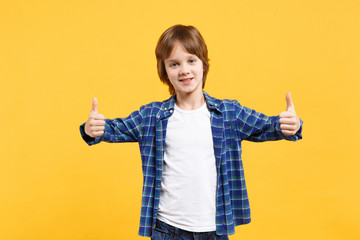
<point x="192" y="60"/>
<point x="173" y="64"/>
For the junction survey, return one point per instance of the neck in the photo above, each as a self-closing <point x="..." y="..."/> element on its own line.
<point x="190" y="101"/>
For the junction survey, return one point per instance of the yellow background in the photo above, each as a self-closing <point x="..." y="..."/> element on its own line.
<point x="56" y="55"/>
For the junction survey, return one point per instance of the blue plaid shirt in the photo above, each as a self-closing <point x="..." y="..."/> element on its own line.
<point x="230" y="123"/>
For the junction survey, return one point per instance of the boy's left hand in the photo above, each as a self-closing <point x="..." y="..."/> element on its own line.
<point x="289" y="121"/>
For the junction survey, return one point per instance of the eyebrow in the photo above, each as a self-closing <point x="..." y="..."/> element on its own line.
<point x="170" y="60"/>
<point x="174" y="60"/>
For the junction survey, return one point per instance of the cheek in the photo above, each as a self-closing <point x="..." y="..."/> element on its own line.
<point x="168" y="73"/>
<point x="171" y="73"/>
<point x="201" y="68"/>
<point x="201" y="71"/>
<point x="170" y="76"/>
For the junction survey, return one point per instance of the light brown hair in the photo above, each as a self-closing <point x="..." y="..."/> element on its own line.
<point x="191" y="40"/>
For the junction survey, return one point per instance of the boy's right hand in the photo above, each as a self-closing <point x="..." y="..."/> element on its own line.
<point x="95" y="125"/>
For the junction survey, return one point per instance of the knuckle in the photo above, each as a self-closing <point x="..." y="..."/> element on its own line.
<point x="91" y="115"/>
<point x="99" y="116"/>
<point x="284" y="132"/>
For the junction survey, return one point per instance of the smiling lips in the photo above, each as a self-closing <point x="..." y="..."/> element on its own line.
<point x="186" y="80"/>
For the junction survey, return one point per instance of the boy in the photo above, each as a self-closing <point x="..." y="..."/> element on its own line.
<point x="190" y="144"/>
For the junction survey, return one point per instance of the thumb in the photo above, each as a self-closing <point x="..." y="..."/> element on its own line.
<point x="289" y="103"/>
<point x="94" y="105"/>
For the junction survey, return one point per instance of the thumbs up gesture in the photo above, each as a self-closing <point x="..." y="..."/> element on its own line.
<point x="95" y="125"/>
<point x="289" y="121"/>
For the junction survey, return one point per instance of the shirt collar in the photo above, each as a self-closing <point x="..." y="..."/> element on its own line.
<point x="212" y="103"/>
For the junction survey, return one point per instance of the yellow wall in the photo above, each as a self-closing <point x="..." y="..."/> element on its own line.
<point x="56" y="55"/>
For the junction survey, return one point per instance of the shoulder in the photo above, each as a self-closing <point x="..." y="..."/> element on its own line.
<point x="222" y="104"/>
<point x="153" y="108"/>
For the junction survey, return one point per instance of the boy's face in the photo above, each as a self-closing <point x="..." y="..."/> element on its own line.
<point x="184" y="70"/>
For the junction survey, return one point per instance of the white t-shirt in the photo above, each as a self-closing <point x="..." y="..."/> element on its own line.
<point x="189" y="180"/>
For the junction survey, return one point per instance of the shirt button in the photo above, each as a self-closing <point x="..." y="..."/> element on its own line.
<point x="171" y="111"/>
<point x="165" y="108"/>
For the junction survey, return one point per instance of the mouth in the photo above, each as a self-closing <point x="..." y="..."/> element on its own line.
<point x="186" y="80"/>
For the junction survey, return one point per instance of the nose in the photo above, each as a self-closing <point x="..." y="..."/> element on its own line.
<point x="184" y="70"/>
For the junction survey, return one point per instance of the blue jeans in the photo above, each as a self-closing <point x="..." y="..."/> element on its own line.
<point x="164" y="231"/>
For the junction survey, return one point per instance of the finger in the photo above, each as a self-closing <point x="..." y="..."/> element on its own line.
<point x="94" y="122"/>
<point x="287" y="127"/>
<point x="289" y="104"/>
<point x="97" y="134"/>
<point x="94" y="105"/>
<point x="99" y="122"/>
<point x="287" y="120"/>
<point x="288" y="132"/>
<point x="97" y="116"/>
<point x="287" y="115"/>
<point x="97" y="128"/>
